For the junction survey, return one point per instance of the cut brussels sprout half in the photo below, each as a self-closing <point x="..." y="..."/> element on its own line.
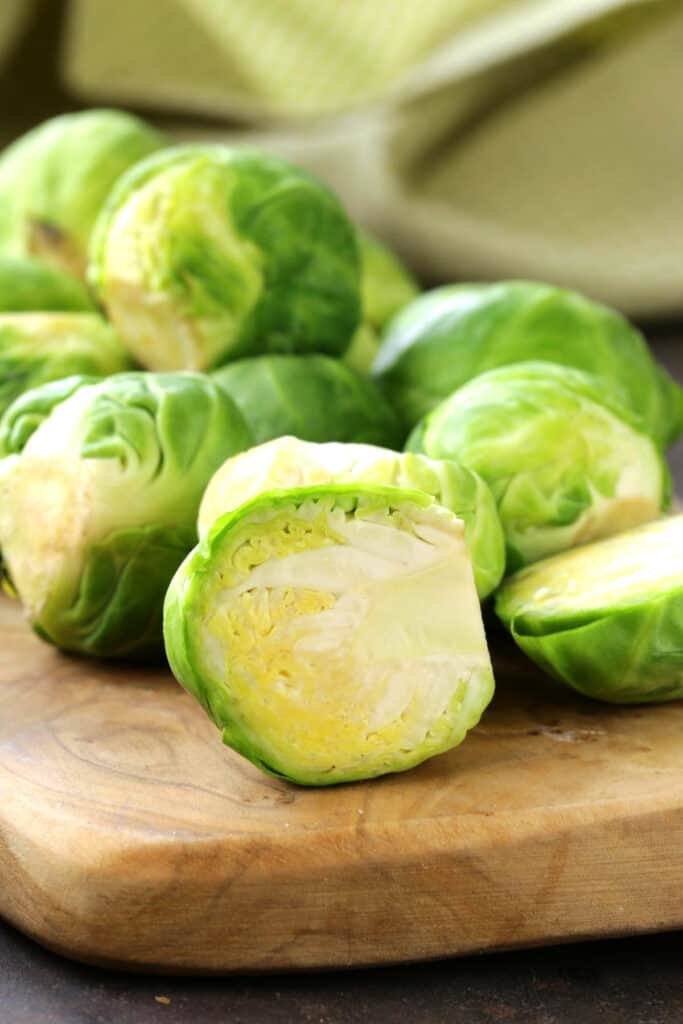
<point x="208" y="253"/>
<point x="99" y="509"/>
<point x="563" y="461"/>
<point x="40" y="347"/>
<point x="450" y="335"/>
<point x="606" y="618"/>
<point x="333" y="633"/>
<point x="28" y="286"/>
<point x="315" y="398"/>
<point x="289" y="462"/>
<point x="55" y="179"/>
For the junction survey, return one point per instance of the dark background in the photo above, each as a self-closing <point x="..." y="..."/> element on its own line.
<point x="632" y="981"/>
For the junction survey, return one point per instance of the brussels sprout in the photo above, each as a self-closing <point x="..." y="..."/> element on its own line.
<point x="288" y="462"/>
<point x="54" y="180"/>
<point x="39" y="347"/>
<point x="26" y="413"/>
<point x="313" y="397"/>
<point x="452" y="334"/>
<point x="207" y="253"/>
<point x="362" y="350"/>
<point x="28" y="286"/>
<point x="386" y="287"/>
<point x="566" y="464"/>
<point x="606" y="618"/>
<point x="99" y="509"/>
<point x="333" y="633"/>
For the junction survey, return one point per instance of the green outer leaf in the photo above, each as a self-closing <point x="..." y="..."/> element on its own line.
<point x="633" y="656"/>
<point x="295" y="234"/>
<point x="36" y="348"/>
<point x="546" y="441"/>
<point x="26" y="413"/>
<point x="312" y="397"/>
<point x="183" y="601"/>
<point x="28" y="286"/>
<point x="149" y="443"/>
<point x="118" y="608"/>
<point x="450" y="335"/>
<point x="630" y="655"/>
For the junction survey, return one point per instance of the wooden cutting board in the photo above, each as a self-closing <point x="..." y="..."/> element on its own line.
<point x="130" y="836"/>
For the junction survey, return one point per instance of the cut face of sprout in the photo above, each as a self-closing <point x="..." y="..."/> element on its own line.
<point x="630" y="567"/>
<point x="337" y="640"/>
<point x="288" y="462"/>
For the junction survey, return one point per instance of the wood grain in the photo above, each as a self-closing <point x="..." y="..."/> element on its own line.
<point x="129" y="836"/>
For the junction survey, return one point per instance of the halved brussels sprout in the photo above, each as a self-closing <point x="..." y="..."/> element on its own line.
<point x="99" y="509"/>
<point x="606" y="618"/>
<point x="315" y="398"/>
<point x="54" y="180"/>
<point x="207" y="253"/>
<point x="333" y="633"/>
<point x="26" y="413"/>
<point x="40" y="347"/>
<point x="386" y="287"/>
<point x="566" y="464"/>
<point x="28" y="286"/>
<point x="289" y="462"/>
<point x="450" y="335"/>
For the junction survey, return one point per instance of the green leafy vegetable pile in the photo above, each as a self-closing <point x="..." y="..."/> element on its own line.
<point x="208" y="373"/>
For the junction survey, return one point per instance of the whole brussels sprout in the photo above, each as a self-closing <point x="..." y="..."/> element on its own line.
<point x="288" y="462"/>
<point x="386" y="287"/>
<point x="606" y="618"/>
<point x="99" y="509"/>
<point x="39" y="347"/>
<point x="26" y="413"/>
<point x="207" y="253"/>
<point x="54" y="180"/>
<point x="565" y="463"/>
<point x="333" y="633"/>
<point x="28" y="286"/>
<point x="452" y="334"/>
<point x="315" y="398"/>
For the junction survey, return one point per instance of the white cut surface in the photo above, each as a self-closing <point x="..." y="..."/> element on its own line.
<point x="364" y="653"/>
<point x="630" y="567"/>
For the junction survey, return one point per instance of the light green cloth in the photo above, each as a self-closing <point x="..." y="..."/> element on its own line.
<point x="483" y="138"/>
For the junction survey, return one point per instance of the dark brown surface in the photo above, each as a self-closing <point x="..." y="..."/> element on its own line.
<point x="632" y="981"/>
